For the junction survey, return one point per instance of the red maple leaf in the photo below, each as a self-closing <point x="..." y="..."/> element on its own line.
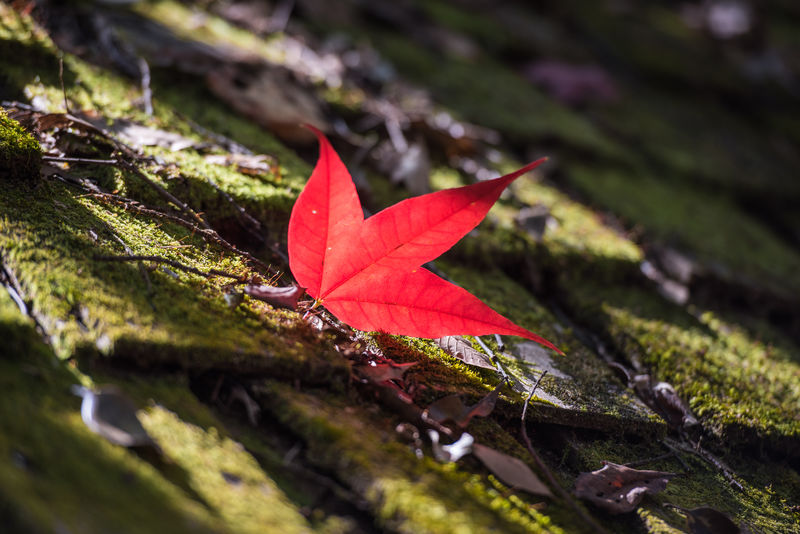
<point x="368" y="273"/>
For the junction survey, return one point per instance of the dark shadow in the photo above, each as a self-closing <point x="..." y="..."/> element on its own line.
<point x="280" y="452"/>
<point x="67" y="471"/>
<point x="23" y="62"/>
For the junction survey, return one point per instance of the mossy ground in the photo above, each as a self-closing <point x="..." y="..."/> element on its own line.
<point x="224" y="475"/>
<point x="20" y="155"/>
<point x="410" y="496"/>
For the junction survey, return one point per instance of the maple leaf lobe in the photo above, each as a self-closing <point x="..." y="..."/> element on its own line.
<point x="382" y="286"/>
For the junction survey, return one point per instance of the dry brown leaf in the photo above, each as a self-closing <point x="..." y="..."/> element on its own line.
<point x="510" y="470"/>
<point x="663" y="399"/>
<point x="460" y="348"/>
<point x="451" y="408"/>
<point x="382" y="372"/>
<point x="619" y="489"/>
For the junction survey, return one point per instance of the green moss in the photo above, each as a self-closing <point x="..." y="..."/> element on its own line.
<point x="761" y="504"/>
<point x="20" y="339"/>
<point x="576" y="238"/>
<point x="744" y="247"/>
<point x="91" y="88"/>
<point x="654" y="41"/>
<point x="20" y="154"/>
<point x="405" y="494"/>
<point x="491" y="95"/>
<point x="268" y="199"/>
<point x="588" y="394"/>
<point x="211" y="29"/>
<point x="744" y="391"/>
<point x="578" y="231"/>
<point x="50" y="238"/>
<point x="227" y="478"/>
<point x="476" y="25"/>
<point x="54" y="473"/>
<point x="689" y="147"/>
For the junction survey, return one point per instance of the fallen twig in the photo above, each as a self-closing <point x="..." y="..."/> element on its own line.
<point x="175" y="264"/>
<point x="165" y="194"/>
<point x="126" y="165"/>
<point x="136" y="207"/>
<point x="248" y="222"/>
<point x="686" y="467"/>
<point x="698" y="450"/>
<point x="544" y="469"/>
<point x="12" y="285"/>
<point x="147" y="93"/>
<point x="61" y="79"/>
<point x="60" y="159"/>
<point x="495" y="359"/>
<point x="140" y="265"/>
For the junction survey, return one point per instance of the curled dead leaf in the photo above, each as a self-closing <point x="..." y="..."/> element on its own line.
<point x="619" y="489"/>
<point x="451" y="408"/>
<point x="280" y="297"/>
<point x="382" y="372"/>
<point x="662" y="398"/>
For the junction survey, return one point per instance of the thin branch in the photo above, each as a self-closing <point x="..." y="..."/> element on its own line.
<point x="228" y="144"/>
<point x="136" y="207"/>
<point x="175" y="264"/>
<point x="500" y="344"/>
<point x="544" y="469"/>
<point x="166" y="195"/>
<point x="14" y="288"/>
<point x="59" y="159"/>
<point x="61" y="79"/>
<point x="147" y="93"/>
<point x="247" y="222"/>
<point x="140" y="265"/>
<point x="697" y="450"/>
<point x="6" y="280"/>
<point x="686" y="467"/>
<point x="495" y="359"/>
<point x="121" y="164"/>
<point x="528" y="400"/>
